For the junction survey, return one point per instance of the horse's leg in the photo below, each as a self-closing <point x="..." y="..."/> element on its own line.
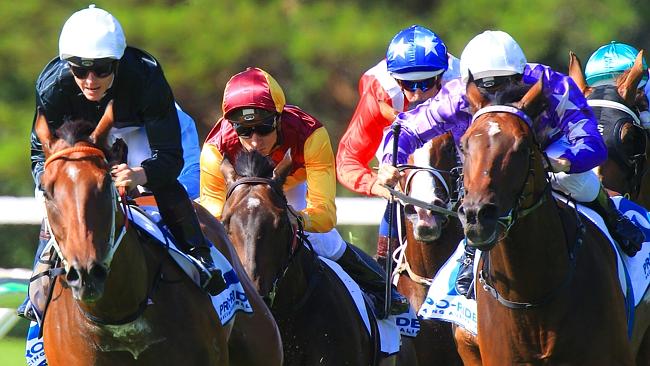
<point x="388" y="361"/>
<point x="641" y="336"/>
<point x="643" y="355"/>
<point x="467" y="346"/>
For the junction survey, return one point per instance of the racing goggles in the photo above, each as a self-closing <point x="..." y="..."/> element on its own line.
<point x="101" y="70"/>
<point x="262" y="128"/>
<point x="413" y="85"/>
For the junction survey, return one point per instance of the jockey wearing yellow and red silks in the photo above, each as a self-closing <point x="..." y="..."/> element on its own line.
<point x="257" y="118"/>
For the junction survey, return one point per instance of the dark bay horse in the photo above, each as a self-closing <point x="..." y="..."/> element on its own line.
<point x="317" y="318"/>
<point x="617" y="108"/>
<point x="547" y="276"/>
<point x="122" y="301"/>
<point x="430" y="239"/>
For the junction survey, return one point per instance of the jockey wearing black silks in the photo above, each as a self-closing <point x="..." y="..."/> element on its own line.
<point x="142" y="97"/>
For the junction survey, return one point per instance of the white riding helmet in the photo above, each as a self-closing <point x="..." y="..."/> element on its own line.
<point x="92" y="33"/>
<point x="491" y="54"/>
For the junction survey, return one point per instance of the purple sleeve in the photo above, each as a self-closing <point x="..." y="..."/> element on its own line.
<point x="447" y="111"/>
<point x="569" y="114"/>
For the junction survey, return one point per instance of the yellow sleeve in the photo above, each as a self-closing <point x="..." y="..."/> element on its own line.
<point x="320" y="213"/>
<point x="213" y="184"/>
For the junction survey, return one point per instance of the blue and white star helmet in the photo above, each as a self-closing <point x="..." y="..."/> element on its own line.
<point x="610" y="61"/>
<point x="416" y="53"/>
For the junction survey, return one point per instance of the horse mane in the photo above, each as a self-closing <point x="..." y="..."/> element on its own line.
<point x="254" y="164"/>
<point x="75" y="130"/>
<point x="512" y="93"/>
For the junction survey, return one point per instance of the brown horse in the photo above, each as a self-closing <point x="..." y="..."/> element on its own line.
<point x="430" y="239"/>
<point x="625" y="172"/>
<point x="546" y="275"/>
<point x="317" y="318"/>
<point x="122" y="300"/>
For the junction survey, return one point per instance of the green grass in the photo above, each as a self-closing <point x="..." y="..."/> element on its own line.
<point x="12" y="351"/>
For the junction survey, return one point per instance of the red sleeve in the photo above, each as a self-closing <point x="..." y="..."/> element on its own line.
<point x="363" y="136"/>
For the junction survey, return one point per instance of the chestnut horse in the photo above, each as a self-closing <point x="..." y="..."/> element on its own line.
<point x="617" y="108"/>
<point x="546" y="275"/>
<point x="122" y="301"/>
<point x="430" y="239"/>
<point x="318" y="320"/>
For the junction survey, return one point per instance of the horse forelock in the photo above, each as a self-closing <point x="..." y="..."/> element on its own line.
<point x="511" y="94"/>
<point x="75" y="130"/>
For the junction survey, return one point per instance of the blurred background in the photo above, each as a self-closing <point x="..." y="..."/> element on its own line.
<point x="317" y="50"/>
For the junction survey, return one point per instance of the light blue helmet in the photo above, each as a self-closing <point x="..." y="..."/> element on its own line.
<point x="416" y="53"/>
<point x="610" y="61"/>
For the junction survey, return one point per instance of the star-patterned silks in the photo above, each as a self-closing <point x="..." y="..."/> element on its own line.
<point x="564" y="103"/>
<point x="428" y="43"/>
<point x="399" y="49"/>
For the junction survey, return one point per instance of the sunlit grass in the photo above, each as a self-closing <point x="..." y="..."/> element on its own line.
<point x="12" y="351"/>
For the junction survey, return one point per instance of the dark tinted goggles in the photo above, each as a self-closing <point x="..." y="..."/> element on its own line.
<point x="100" y="70"/>
<point x="413" y="85"/>
<point x="263" y="128"/>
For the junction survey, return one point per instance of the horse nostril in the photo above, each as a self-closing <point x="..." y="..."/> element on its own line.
<point x="487" y="211"/>
<point x="72" y="276"/>
<point x="98" y="272"/>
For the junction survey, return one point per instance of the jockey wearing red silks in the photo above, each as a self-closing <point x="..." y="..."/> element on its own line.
<point x="416" y="66"/>
<point x="255" y="117"/>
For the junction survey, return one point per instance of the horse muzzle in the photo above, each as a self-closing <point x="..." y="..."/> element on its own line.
<point x="480" y="223"/>
<point x="87" y="284"/>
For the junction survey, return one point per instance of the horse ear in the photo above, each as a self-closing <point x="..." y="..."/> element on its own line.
<point x="100" y="134"/>
<point x="532" y="103"/>
<point x="628" y="85"/>
<point x="118" y="152"/>
<point x="228" y="171"/>
<point x="43" y="132"/>
<point x="474" y="96"/>
<point x="283" y="168"/>
<point x="575" y="72"/>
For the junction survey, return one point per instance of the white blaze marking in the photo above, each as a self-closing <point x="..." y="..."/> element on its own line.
<point x="252" y="203"/>
<point x="73" y="172"/>
<point x="494" y="128"/>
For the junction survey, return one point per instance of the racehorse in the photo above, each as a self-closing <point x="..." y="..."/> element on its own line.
<point x="545" y="274"/>
<point x="430" y="239"/>
<point x="317" y="318"/>
<point x="122" y="300"/>
<point x="617" y="110"/>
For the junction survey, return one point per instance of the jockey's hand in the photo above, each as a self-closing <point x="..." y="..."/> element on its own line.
<point x="379" y="191"/>
<point x="388" y="175"/>
<point x="294" y="217"/>
<point x="125" y="176"/>
<point x="560" y="165"/>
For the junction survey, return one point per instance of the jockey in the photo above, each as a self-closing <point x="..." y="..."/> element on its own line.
<point x="255" y="117"/>
<point x="95" y="66"/>
<point x="570" y="135"/>
<point x="609" y="62"/>
<point x="416" y="66"/>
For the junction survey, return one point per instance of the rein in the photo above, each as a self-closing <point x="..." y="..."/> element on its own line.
<point x="516" y="212"/>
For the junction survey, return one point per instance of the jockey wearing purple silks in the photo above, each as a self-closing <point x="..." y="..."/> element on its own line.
<point x="567" y="129"/>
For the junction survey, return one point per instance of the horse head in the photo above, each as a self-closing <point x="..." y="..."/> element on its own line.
<point x="617" y="108"/>
<point x="79" y="198"/>
<point x="431" y="185"/>
<point x="502" y="166"/>
<point x="256" y="216"/>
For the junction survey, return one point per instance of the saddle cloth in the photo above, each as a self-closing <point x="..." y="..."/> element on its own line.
<point x="389" y="331"/>
<point x="444" y="303"/>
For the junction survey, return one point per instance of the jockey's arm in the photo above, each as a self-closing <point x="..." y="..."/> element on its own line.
<point x="320" y="213"/>
<point x="213" y="184"/>
<point x="190" y="174"/>
<point x="360" y="142"/>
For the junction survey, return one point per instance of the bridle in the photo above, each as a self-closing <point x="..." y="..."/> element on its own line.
<point x="517" y="212"/>
<point x="297" y="236"/>
<point x="113" y="242"/>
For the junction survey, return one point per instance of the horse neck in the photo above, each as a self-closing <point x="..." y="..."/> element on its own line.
<point x="293" y="286"/>
<point x="128" y="280"/>
<point x="532" y="259"/>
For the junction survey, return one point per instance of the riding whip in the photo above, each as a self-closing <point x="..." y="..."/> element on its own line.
<point x="391" y="211"/>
